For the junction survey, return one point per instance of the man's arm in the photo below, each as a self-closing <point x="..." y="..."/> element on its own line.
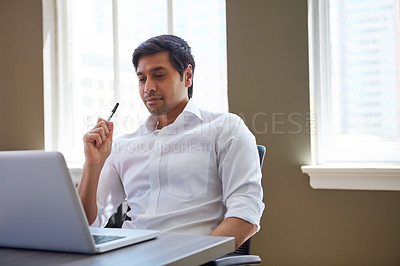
<point x="97" y="145"/>
<point x="239" y="169"/>
<point x="236" y="227"/>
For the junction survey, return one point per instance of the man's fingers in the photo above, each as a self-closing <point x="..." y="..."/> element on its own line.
<point x="111" y="128"/>
<point x="94" y="138"/>
<point x="105" y="125"/>
<point x="100" y="131"/>
<point x="103" y="122"/>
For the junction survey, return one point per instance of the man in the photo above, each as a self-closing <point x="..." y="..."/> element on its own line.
<point x="185" y="170"/>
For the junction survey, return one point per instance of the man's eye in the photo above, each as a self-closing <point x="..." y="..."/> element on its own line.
<point x="142" y="79"/>
<point x="159" y="75"/>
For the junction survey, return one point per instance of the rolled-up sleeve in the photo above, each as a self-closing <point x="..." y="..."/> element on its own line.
<point x="240" y="173"/>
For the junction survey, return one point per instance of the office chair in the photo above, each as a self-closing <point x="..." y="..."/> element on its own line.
<point x="242" y="255"/>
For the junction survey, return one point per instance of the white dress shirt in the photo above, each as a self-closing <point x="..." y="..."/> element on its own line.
<point x="185" y="178"/>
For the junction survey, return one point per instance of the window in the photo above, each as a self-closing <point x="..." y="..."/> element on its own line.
<point x="355" y="84"/>
<point x="93" y="67"/>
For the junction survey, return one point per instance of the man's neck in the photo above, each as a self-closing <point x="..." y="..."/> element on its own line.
<point x="169" y="118"/>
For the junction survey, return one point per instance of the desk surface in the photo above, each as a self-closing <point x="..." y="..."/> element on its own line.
<point x="166" y="249"/>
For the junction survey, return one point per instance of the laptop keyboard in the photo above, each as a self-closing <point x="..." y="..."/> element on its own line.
<point x="99" y="239"/>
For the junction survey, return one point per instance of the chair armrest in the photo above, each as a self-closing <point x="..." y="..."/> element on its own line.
<point x="234" y="259"/>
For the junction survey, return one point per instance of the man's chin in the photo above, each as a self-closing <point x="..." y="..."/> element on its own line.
<point x="156" y="111"/>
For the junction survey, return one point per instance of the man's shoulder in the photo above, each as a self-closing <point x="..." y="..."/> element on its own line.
<point x="222" y="116"/>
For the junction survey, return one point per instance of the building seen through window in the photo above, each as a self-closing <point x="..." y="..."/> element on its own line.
<point x="358" y="96"/>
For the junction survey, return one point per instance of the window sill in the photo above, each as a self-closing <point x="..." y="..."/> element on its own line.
<point x="354" y="178"/>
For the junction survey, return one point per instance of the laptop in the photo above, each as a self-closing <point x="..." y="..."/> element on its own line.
<point x="40" y="208"/>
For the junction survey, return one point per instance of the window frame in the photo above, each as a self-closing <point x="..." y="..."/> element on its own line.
<point x="57" y="95"/>
<point x="366" y="176"/>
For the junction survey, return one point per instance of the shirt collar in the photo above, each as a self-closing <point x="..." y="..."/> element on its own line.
<point x="190" y="110"/>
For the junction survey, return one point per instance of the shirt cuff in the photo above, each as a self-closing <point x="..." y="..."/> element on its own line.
<point x="245" y="207"/>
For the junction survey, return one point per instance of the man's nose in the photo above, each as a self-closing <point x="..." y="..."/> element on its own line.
<point x="149" y="86"/>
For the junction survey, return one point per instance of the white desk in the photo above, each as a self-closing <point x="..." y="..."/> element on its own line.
<point x="164" y="250"/>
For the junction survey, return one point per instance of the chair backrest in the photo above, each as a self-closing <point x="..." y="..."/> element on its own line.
<point x="245" y="248"/>
<point x="261" y="153"/>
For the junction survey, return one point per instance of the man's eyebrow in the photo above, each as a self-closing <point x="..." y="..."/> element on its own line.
<point x="153" y="70"/>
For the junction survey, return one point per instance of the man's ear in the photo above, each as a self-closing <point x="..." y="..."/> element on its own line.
<point x="188" y="76"/>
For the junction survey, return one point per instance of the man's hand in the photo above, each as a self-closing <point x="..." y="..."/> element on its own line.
<point x="98" y="142"/>
<point x="236" y="227"/>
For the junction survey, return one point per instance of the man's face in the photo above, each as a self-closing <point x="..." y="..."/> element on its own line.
<point x="161" y="87"/>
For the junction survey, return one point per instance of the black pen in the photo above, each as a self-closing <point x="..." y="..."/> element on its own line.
<point x="113" y="111"/>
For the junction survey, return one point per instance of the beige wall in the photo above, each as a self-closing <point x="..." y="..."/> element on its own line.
<point x="21" y="75"/>
<point x="268" y="75"/>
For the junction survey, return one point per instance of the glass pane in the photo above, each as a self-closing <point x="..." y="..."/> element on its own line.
<point x="203" y="25"/>
<point x="92" y="83"/>
<point x="90" y="69"/>
<point x="137" y="22"/>
<point x="365" y="91"/>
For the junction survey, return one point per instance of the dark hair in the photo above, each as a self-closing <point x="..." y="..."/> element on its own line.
<point x="179" y="53"/>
